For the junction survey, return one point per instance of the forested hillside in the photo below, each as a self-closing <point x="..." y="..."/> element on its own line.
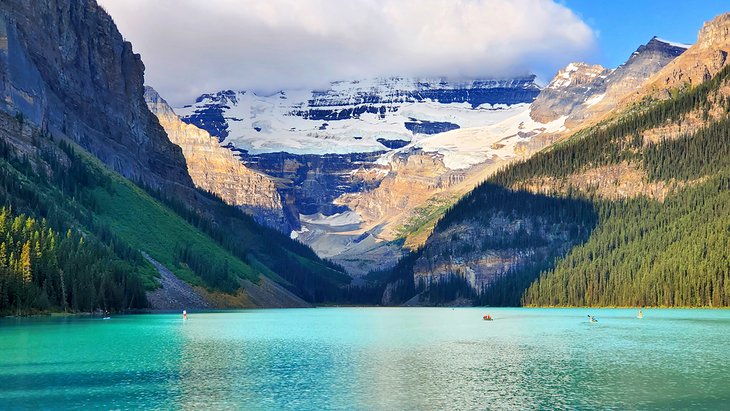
<point x="101" y="221"/>
<point x="41" y="269"/>
<point x="645" y="253"/>
<point x="644" y="250"/>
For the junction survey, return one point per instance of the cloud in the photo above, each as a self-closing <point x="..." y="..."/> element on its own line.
<point x="192" y="46"/>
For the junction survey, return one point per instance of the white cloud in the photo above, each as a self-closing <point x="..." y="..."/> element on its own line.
<point x="195" y="46"/>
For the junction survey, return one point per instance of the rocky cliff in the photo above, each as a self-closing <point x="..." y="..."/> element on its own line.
<point x="701" y="61"/>
<point x="571" y="87"/>
<point x="584" y="93"/>
<point x="217" y="169"/>
<point x="66" y="68"/>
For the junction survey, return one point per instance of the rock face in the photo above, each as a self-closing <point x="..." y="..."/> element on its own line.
<point x="65" y="67"/>
<point x="457" y="250"/>
<point x="310" y="183"/>
<point x="701" y="61"/>
<point x="571" y="87"/>
<point x="586" y="93"/>
<point x="216" y="169"/>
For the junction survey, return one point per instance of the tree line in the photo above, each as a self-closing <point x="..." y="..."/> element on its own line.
<point x="53" y="254"/>
<point x="635" y="251"/>
<point x="41" y="269"/>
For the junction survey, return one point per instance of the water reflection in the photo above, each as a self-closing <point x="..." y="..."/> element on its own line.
<point x="370" y="359"/>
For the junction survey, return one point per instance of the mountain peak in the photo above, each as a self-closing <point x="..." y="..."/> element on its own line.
<point x="657" y="48"/>
<point x="576" y="73"/>
<point x="715" y="33"/>
<point x="660" y="42"/>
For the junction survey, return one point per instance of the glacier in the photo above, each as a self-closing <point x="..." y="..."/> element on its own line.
<point x="355" y="116"/>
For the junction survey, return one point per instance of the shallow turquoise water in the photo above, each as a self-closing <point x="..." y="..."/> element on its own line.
<point x="370" y="359"/>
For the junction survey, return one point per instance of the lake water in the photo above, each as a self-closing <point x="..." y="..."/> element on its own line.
<point x="370" y="359"/>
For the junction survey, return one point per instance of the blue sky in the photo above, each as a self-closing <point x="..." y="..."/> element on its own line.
<point x="623" y="25"/>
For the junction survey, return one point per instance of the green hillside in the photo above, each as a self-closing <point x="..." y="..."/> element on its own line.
<point x="641" y="251"/>
<point x="645" y="253"/>
<point x="62" y="188"/>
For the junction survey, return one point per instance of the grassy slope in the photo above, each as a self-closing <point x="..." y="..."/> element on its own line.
<point x="416" y="230"/>
<point x="148" y="225"/>
<point x="145" y="223"/>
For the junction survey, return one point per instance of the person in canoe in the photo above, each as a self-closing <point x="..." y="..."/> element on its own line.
<point x="592" y="319"/>
<point x="488" y="317"/>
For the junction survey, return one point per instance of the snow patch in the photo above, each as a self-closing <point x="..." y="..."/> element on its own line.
<point x="288" y="121"/>
<point x="594" y="100"/>
<point x="674" y="43"/>
<point x="334" y="220"/>
<point x="464" y="148"/>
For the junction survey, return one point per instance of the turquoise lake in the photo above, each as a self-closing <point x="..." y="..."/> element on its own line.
<point x="370" y="359"/>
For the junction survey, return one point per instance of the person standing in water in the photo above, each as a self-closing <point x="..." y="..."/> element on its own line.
<point x="185" y="315"/>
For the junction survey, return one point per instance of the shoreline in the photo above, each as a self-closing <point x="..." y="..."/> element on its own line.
<point x="55" y="314"/>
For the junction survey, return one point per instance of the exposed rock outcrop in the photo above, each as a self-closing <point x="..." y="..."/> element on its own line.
<point x="698" y="64"/>
<point x="571" y="87"/>
<point x="216" y="169"/>
<point x="586" y="93"/>
<point x="65" y="67"/>
<point x="458" y="250"/>
<point x="613" y="182"/>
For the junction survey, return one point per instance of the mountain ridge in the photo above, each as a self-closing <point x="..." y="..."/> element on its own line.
<point x="84" y="149"/>
<point x="217" y="169"/>
<point x="643" y="178"/>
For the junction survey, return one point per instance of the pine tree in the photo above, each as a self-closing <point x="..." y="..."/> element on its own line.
<point x="25" y="266"/>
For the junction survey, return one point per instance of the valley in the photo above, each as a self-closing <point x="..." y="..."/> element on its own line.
<point x="365" y="169"/>
<point x="384" y="190"/>
<point x="364" y="205"/>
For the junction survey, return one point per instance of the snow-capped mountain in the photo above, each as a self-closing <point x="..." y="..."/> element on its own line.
<point x="364" y="164"/>
<point x="355" y="116"/>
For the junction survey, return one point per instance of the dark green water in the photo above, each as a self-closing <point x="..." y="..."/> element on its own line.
<point x="370" y="359"/>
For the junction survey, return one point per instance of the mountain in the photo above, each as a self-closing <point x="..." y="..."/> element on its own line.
<point x="362" y="208"/>
<point x="354" y="116"/>
<point x="628" y="209"/>
<point x="75" y="75"/>
<point x="325" y="148"/>
<point x="699" y="64"/>
<point x="217" y="169"/>
<point x="83" y="155"/>
<point x="585" y="93"/>
<point x="427" y="176"/>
